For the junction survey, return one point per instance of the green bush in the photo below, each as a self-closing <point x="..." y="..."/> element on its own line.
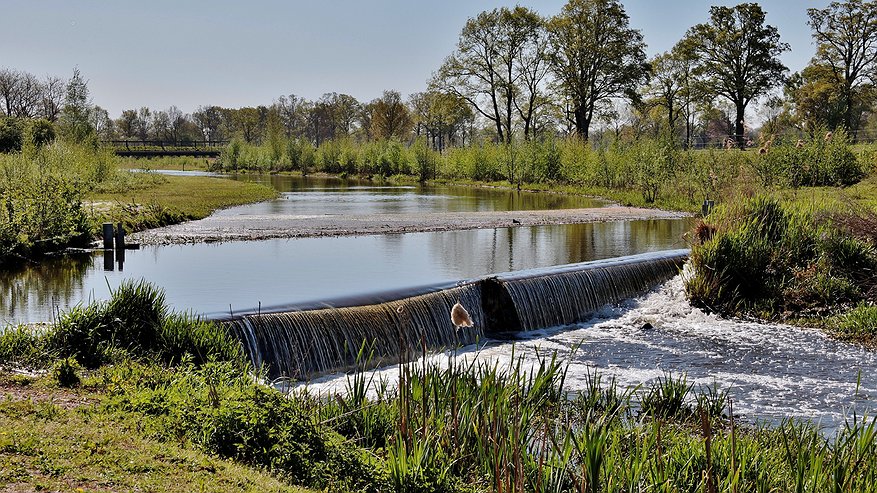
<point x="66" y="372"/>
<point x="826" y="159"/>
<point x="135" y="321"/>
<point x="11" y="132"/>
<point x="226" y="412"/>
<point x="766" y="259"/>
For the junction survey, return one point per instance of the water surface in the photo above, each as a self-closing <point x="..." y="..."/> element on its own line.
<point x="208" y="278"/>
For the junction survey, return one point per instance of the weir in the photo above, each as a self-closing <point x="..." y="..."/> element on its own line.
<point x="302" y="344"/>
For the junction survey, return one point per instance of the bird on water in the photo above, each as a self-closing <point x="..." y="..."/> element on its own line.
<point x="460" y="317"/>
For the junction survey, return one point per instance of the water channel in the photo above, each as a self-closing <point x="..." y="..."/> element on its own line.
<point x="215" y="279"/>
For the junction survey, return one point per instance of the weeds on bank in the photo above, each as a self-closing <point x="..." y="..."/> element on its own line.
<point x="768" y="259"/>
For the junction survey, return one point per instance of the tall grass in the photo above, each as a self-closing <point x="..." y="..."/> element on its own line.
<point x="764" y="258"/>
<point x="134" y="322"/>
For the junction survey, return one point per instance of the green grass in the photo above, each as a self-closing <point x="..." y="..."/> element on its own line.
<point x="135" y="322"/>
<point x="57" y="440"/>
<point x="859" y="324"/>
<point x="174" y="199"/>
<point x="176" y="163"/>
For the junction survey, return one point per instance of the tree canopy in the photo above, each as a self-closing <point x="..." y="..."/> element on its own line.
<point x="738" y="56"/>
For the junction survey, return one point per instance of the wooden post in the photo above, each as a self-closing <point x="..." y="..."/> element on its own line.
<point x="120" y="237"/>
<point x="108" y="236"/>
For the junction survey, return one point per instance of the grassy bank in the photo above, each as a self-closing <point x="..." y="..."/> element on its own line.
<point x="773" y="259"/>
<point x="59" y="439"/>
<point x="197" y="411"/>
<point x="173" y="199"/>
<point x="56" y="196"/>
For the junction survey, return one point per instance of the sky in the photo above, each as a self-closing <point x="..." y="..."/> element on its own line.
<point x="246" y="53"/>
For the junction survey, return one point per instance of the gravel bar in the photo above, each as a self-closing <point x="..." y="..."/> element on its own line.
<point x="262" y="227"/>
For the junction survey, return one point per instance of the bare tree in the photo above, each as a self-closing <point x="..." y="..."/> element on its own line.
<point x="52" y="99"/>
<point x="495" y="56"/>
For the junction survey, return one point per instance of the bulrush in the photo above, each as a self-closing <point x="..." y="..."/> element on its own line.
<point x="460" y="317"/>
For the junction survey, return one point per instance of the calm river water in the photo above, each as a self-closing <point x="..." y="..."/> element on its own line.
<point x="214" y="279"/>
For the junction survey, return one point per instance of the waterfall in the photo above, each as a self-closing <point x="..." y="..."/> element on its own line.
<point x="301" y="344"/>
<point x="548" y="297"/>
<point x="305" y="343"/>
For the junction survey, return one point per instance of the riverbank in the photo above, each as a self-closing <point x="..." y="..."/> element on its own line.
<point x="137" y="420"/>
<point x="170" y="200"/>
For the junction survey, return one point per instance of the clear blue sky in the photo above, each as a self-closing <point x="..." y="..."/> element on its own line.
<point x="235" y="53"/>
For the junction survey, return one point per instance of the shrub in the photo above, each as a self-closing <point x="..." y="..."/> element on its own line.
<point x="11" y="131"/>
<point x="765" y="259"/>
<point x="66" y="372"/>
<point x="135" y="321"/>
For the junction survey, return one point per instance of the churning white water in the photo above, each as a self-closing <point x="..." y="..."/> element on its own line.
<point x="772" y="371"/>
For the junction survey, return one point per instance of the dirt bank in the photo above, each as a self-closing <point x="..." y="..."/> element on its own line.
<point x="261" y="227"/>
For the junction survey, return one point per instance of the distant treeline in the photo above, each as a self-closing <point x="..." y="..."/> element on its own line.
<point x="517" y="75"/>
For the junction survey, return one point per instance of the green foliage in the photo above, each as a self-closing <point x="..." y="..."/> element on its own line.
<point x="666" y="398"/>
<point x="821" y="161"/>
<point x="24" y="346"/>
<point x="225" y="412"/>
<point x="765" y="259"/>
<point x="134" y="322"/>
<point x="42" y="132"/>
<point x="858" y="324"/>
<point x="65" y="372"/>
<point x="11" y="130"/>
<point x="75" y="123"/>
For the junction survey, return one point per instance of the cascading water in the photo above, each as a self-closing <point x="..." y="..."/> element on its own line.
<point x="302" y="344"/>
<point x="570" y="293"/>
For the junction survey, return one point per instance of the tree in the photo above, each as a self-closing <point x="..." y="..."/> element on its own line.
<point x="76" y="115"/>
<point x="497" y="67"/>
<point x="21" y="93"/>
<point x="738" y="57"/>
<point x="595" y="56"/>
<point x="126" y="124"/>
<point x="293" y="111"/>
<point x="52" y="99"/>
<point x="102" y="124"/>
<point x="667" y="86"/>
<point x="208" y="119"/>
<point x="390" y="117"/>
<point x="846" y="44"/>
<point x="144" y="122"/>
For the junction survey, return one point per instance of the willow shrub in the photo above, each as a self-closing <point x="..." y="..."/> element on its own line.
<point x="764" y="258"/>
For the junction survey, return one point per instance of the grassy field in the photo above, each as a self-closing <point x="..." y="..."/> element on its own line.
<point x="172" y="199"/>
<point x="175" y="163"/>
<point x="56" y="439"/>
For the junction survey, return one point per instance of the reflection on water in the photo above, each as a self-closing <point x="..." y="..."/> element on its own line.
<point x="320" y="195"/>
<point x="209" y="278"/>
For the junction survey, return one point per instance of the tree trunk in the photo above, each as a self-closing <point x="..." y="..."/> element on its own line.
<point x="583" y="122"/>
<point x="738" y="126"/>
